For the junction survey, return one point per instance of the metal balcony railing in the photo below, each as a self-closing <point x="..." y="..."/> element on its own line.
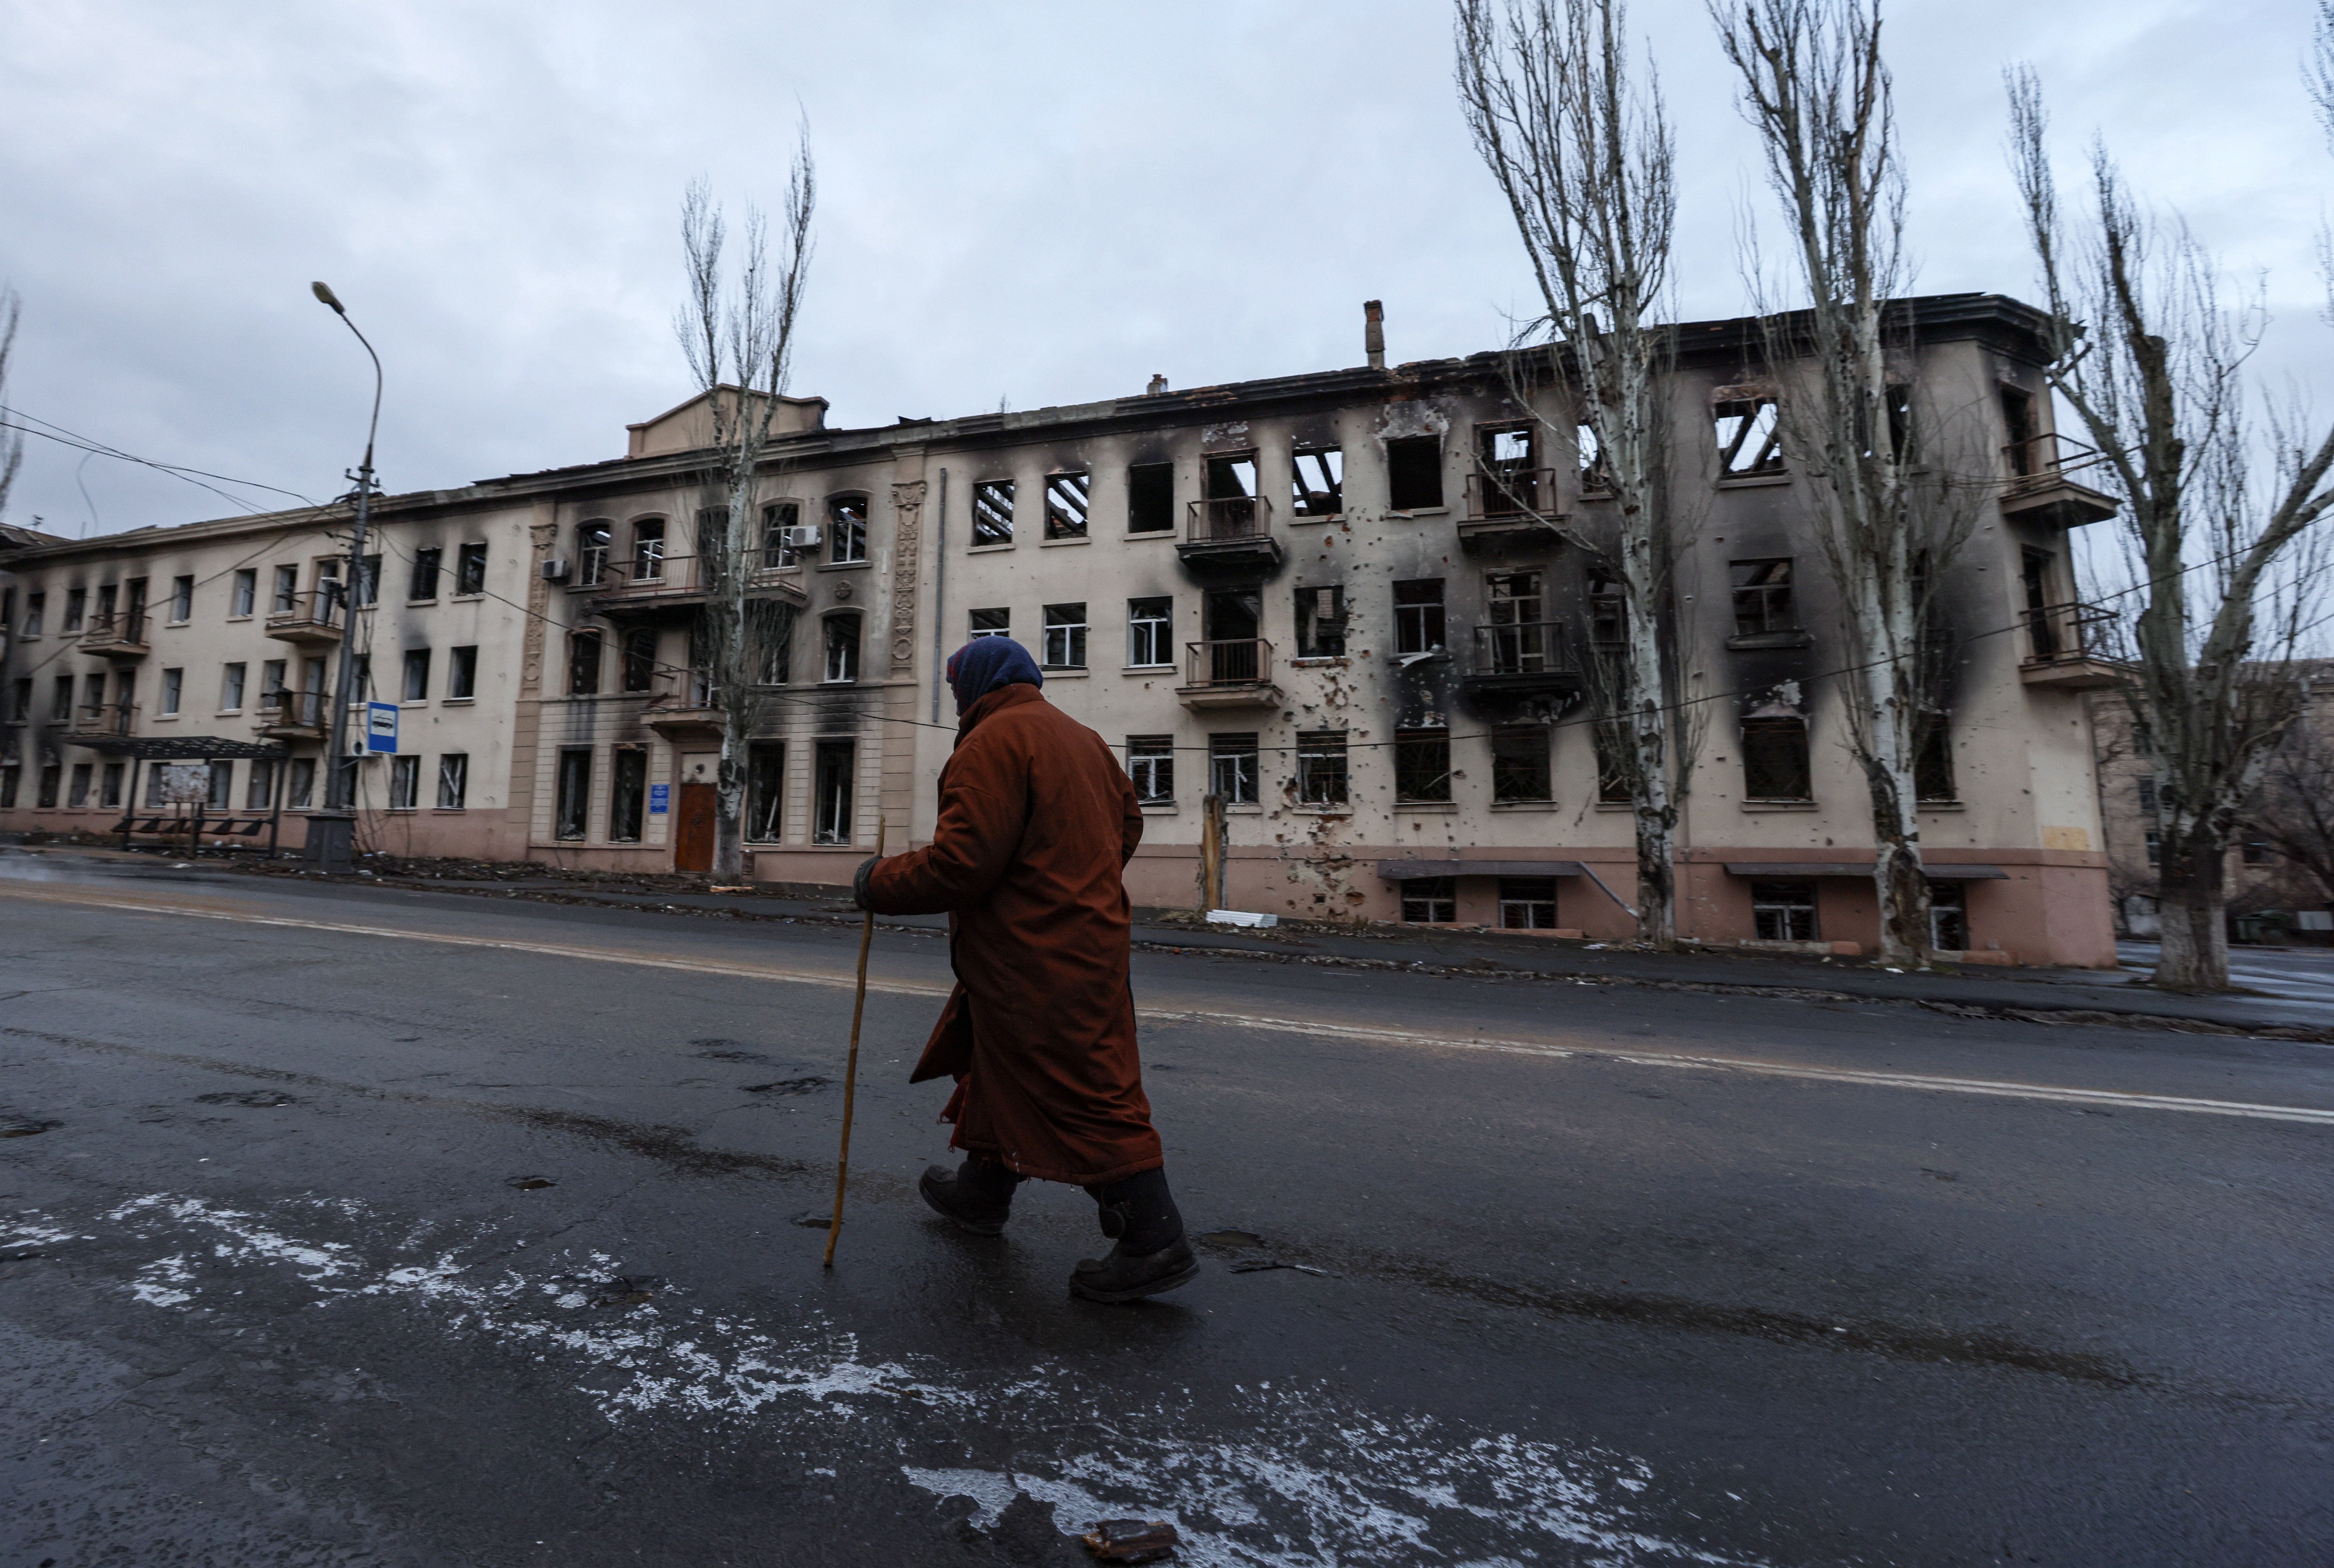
<point x="285" y="710"/>
<point x="1228" y="518"/>
<point x="2040" y="460"/>
<point x="1521" y="648"/>
<point x="92" y="720"/>
<point x="2064" y="633"/>
<point x="1510" y="492"/>
<point x="316" y="612"/>
<point x="121" y="630"/>
<point x="1236" y="661"/>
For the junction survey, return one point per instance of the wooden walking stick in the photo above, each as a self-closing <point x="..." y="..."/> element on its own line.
<point x="851" y="1069"/>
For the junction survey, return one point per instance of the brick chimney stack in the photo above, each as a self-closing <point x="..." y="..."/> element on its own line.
<point x="1374" y="333"/>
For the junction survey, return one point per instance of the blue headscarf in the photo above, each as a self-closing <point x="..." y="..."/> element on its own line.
<point x="988" y="664"/>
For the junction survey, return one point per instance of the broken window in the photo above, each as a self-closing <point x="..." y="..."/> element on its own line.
<point x="470" y="569"/>
<point x="1933" y="758"/>
<point x="232" y="678"/>
<point x="368" y="581"/>
<point x="462" y="675"/>
<point x="842" y="649"/>
<point x="1065" y="637"/>
<point x="1506" y="476"/>
<point x="1948" y="917"/>
<point x="245" y="595"/>
<point x="1900" y="423"/>
<point x="1421" y="766"/>
<point x="1762" y="597"/>
<point x="628" y="790"/>
<point x="174" y="684"/>
<point x="992" y="513"/>
<point x="61" y="697"/>
<point x="1748" y="435"/>
<point x="2042" y="621"/>
<point x="766" y="791"/>
<point x="1067" y="505"/>
<point x="1429" y="901"/>
<point x="1230" y="511"/>
<point x="33" y="605"/>
<point x="1150" y="632"/>
<point x="1150" y="498"/>
<point x="182" y="593"/>
<point x="582" y="663"/>
<point x="1321" y="768"/>
<point x="1151" y="764"/>
<point x="594" y="541"/>
<point x="360" y="679"/>
<point x="1608" y="611"/>
<point x="990" y="623"/>
<point x="1519" y="637"/>
<point x="271" y="683"/>
<point x="453" y="781"/>
<point x="575" y="792"/>
<point x="640" y="659"/>
<point x="300" y="785"/>
<point x="1612" y="774"/>
<point x="1321" y="623"/>
<point x="404" y="782"/>
<point x="1775" y="760"/>
<point x="1414" y="473"/>
<point x="1316" y="486"/>
<point x="1783" y="911"/>
<point x="1418" y="616"/>
<point x="2018" y="422"/>
<point x="1528" y="903"/>
<point x="832" y="784"/>
<point x="846" y="524"/>
<point x="1595" y="478"/>
<point x="1232" y="769"/>
<point x="417" y="675"/>
<point x="76" y="608"/>
<point x="1521" y="772"/>
<point x="779" y="519"/>
<point x="109" y="788"/>
<point x="426" y="563"/>
<point x="46" y="794"/>
<point x="77" y="792"/>
<point x="287" y="591"/>
<point x="647" y="550"/>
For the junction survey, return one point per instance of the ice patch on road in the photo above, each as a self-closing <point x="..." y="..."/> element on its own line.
<point x="1299" y="1479"/>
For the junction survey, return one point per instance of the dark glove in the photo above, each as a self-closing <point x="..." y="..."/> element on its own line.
<point x="859" y="880"/>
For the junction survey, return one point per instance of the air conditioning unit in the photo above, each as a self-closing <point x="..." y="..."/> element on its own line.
<point x="556" y="570"/>
<point x="802" y="536"/>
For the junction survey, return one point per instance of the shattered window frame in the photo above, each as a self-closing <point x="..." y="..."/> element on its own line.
<point x="628" y="793"/>
<point x="1933" y="759"/>
<point x="596" y="543"/>
<point x="405" y="782"/>
<point x="429" y="563"/>
<point x="1507" y="459"/>
<point x="1419" y="623"/>
<point x="1523" y="765"/>
<point x="470" y="570"/>
<point x="1422" y="767"/>
<point x="453" y="781"/>
<point x="766" y="791"/>
<point x="846" y="522"/>
<point x="1233" y="767"/>
<point x="462" y="674"/>
<point x="77" y="786"/>
<point x="1764" y="599"/>
<point x="583" y="662"/>
<point x="1065" y="636"/>
<point x="1151" y="632"/>
<point x="1748" y="433"/>
<point x="76" y="608"/>
<point x="1429" y="901"/>
<point x="995" y="622"/>
<point x="1777" y="767"/>
<point x="1612" y="777"/>
<point x="637" y="659"/>
<point x="647" y="550"/>
<point x="1320" y="493"/>
<point x="777" y="517"/>
<point x="1595" y="478"/>
<point x="287" y="591"/>
<point x="1151" y="498"/>
<point x="182" y="593"/>
<point x="1324" y="768"/>
<point x="300" y="785"/>
<point x="1784" y="911"/>
<point x="835" y="771"/>
<point x="415" y="687"/>
<point x="245" y="594"/>
<point x="1321" y="622"/>
<point x="1414" y="473"/>
<point x="1948" y="917"/>
<point x="1150" y="765"/>
<point x="992" y="513"/>
<point x="1528" y="903"/>
<point x="571" y="813"/>
<point x="840" y="664"/>
<point x="1608" y="609"/>
<point x="1069" y="504"/>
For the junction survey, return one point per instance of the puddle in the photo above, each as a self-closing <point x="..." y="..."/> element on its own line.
<point x="531" y="1183"/>
<point x="257" y="1099"/>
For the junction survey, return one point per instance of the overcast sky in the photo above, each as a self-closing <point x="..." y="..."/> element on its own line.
<point x="1045" y="204"/>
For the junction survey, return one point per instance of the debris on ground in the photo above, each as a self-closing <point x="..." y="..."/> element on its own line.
<point x="812" y="1220"/>
<point x="257" y="1099"/>
<point x="1132" y="1540"/>
<point x="618" y="1290"/>
<point x="789" y="1086"/>
<point x="532" y="1183"/>
<point x="22" y="1126"/>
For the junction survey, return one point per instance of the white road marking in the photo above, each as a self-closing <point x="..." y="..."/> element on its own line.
<point x="1998" y="1088"/>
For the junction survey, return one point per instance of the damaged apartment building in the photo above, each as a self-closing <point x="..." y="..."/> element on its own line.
<point x="1359" y="609"/>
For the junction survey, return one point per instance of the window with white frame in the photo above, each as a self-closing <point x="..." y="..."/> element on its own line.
<point x="453" y="781"/>
<point x="1150" y="632"/>
<point x="1065" y="637"/>
<point x="1151" y="764"/>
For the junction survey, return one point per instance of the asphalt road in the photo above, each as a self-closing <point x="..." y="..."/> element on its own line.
<point x="383" y="1229"/>
<point x="2301" y="977"/>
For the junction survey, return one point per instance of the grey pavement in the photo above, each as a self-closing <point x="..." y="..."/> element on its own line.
<point x="359" y="1227"/>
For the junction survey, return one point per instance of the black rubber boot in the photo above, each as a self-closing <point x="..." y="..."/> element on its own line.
<point x="977" y="1195"/>
<point x="1151" y="1255"/>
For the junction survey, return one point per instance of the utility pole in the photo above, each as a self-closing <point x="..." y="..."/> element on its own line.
<point x="331" y="832"/>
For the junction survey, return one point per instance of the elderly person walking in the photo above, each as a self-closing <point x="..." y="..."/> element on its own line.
<point x="1037" y="820"/>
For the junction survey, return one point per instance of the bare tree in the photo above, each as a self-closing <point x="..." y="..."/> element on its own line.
<point x="1887" y="519"/>
<point x="1584" y="156"/>
<point x="739" y="335"/>
<point x="11" y="440"/>
<point x="2227" y="577"/>
<point x="2291" y="809"/>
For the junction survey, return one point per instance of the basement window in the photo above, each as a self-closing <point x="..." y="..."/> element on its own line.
<point x="1414" y="473"/>
<point x="1775" y="760"/>
<point x="1783" y="911"/>
<point x="1151" y="498"/>
<point x="992" y="513"/>
<point x="1948" y="917"/>
<point x="1067" y="504"/>
<point x="1528" y="903"/>
<point x="1317" y="484"/>
<point x="1749" y="437"/>
<point x="1429" y="901"/>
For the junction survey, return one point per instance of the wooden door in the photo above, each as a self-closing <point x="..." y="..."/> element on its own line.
<point x="693" y="832"/>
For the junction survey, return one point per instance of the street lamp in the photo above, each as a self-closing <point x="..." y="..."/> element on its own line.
<point x="331" y="832"/>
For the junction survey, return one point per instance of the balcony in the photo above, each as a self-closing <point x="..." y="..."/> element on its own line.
<point x="294" y="714"/>
<point x="1236" y="673"/>
<point x="314" y="617"/>
<point x="101" y="721"/>
<point x="669" y="589"/>
<point x="1510" y="506"/>
<point x="115" y="634"/>
<point x="2040" y="490"/>
<point x="2067" y="647"/>
<point x="684" y="706"/>
<point x="1230" y="535"/>
<point x="1521" y="659"/>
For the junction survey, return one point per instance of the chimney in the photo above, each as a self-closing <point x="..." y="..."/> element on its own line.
<point x="1158" y="385"/>
<point x="1374" y="333"/>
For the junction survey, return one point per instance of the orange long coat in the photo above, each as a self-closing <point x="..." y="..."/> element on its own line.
<point x="1037" y="820"/>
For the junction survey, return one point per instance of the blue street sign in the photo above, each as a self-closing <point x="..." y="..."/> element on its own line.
<point x="660" y="800"/>
<point x="380" y="727"/>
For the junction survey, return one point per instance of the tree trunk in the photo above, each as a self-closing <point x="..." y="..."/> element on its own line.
<point x="2192" y="905"/>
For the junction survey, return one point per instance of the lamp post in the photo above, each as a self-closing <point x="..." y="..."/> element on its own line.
<point x="331" y="832"/>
